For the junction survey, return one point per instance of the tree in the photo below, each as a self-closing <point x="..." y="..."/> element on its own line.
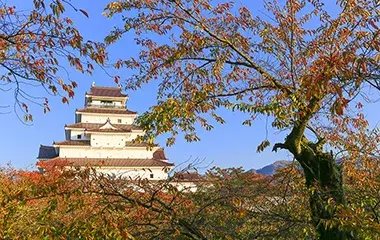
<point x="54" y="205"/>
<point x="362" y="178"/>
<point x="306" y="68"/>
<point x="229" y="204"/>
<point x="36" y="49"/>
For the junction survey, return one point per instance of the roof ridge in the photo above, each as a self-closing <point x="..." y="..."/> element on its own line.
<point x="121" y="162"/>
<point x="106" y="110"/>
<point x="74" y="140"/>
<point x="67" y="142"/>
<point x="46" y="146"/>
<point x="105" y="87"/>
<point x="101" y="91"/>
<point x="116" y="124"/>
<point x="107" y="122"/>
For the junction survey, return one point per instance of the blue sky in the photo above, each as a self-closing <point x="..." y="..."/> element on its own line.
<point x="229" y="145"/>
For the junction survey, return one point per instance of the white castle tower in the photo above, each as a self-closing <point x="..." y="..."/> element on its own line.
<point x="102" y="137"/>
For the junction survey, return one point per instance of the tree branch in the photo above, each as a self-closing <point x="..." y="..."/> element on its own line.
<point x="250" y="63"/>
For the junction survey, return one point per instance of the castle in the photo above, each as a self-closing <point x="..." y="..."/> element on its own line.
<point x="103" y="136"/>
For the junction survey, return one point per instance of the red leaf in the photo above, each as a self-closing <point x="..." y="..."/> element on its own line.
<point x="116" y="79"/>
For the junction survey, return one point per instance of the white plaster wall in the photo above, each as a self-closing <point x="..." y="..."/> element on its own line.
<point x="128" y="119"/>
<point x="98" y="102"/>
<point x="136" y="173"/>
<point x="185" y="186"/>
<point x="117" y="141"/>
<point x="159" y="173"/>
<point x="131" y="136"/>
<point x="89" y="152"/>
<point x="74" y="135"/>
<point x="125" y="137"/>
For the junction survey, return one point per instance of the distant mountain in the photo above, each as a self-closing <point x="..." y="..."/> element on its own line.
<point x="271" y="169"/>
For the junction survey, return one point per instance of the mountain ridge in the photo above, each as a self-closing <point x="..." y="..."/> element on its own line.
<point x="270" y="169"/>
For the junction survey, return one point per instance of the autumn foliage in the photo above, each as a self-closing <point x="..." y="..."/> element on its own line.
<point x="311" y="71"/>
<point x="309" y="67"/>
<point x="229" y="204"/>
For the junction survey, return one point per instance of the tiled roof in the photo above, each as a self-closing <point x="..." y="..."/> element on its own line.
<point x="137" y="144"/>
<point x="46" y="152"/>
<point x="127" y="144"/>
<point x="187" y="176"/>
<point x="106" y="92"/>
<point x="105" y="110"/>
<point x="109" y="130"/>
<point x="74" y="143"/>
<point x="92" y="126"/>
<point x="106" y="162"/>
<point x="159" y="154"/>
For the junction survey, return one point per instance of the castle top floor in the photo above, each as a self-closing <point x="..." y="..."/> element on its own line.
<point x="105" y="97"/>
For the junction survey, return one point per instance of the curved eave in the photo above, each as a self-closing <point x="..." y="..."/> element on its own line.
<point x="120" y="148"/>
<point x="107" y="133"/>
<point x="74" y="128"/>
<point x="136" y="167"/>
<point x="125" y="97"/>
<point x="95" y="130"/>
<point x="134" y="163"/>
<point x="82" y="128"/>
<point x="107" y="114"/>
<point x="71" y="146"/>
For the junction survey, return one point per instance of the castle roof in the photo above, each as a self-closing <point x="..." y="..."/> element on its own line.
<point x="104" y="113"/>
<point x="106" y="92"/>
<point x="105" y="110"/>
<point x="104" y="162"/>
<point x="46" y="152"/>
<point x="73" y="143"/>
<point x="97" y="126"/>
<point x="188" y="176"/>
<point x="160" y="155"/>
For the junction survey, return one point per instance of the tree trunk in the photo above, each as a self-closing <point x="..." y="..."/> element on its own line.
<point x="324" y="178"/>
<point x="323" y="175"/>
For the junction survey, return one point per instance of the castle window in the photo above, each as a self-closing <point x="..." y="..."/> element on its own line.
<point x="151" y="175"/>
<point x="119" y="121"/>
<point x="79" y="136"/>
<point x="106" y="103"/>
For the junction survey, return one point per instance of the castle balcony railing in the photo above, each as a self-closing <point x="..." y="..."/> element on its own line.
<point x="105" y="106"/>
